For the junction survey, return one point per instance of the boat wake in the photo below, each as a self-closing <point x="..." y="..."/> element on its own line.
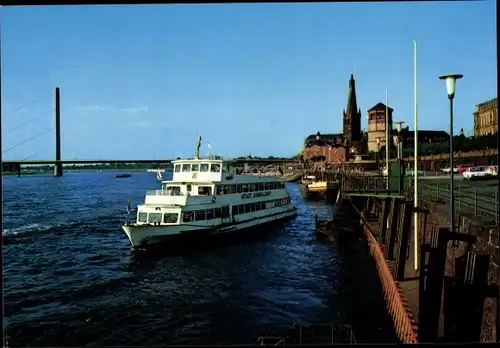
<point x="26" y="229"/>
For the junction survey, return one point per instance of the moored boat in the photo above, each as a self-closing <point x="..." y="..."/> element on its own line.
<point x="119" y="176"/>
<point x="311" y="188"/>
<point x="205" y="199"/>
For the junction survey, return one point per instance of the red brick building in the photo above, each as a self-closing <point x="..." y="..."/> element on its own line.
<point x="329" y="146"/>
<point x="332" y="154"/>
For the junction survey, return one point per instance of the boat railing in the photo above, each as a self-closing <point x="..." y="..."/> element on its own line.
<point x="166" y="197"/>
<point x="159" y="193"/>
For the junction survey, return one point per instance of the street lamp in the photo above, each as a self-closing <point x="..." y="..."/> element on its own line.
<point x="378" y="153"/>
<point x="451" y="81"/>
<point x="399" y="139"/>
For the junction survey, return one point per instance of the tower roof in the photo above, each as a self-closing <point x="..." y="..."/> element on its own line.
<point x="352" y="104"/>
<point x="379" y="107"/>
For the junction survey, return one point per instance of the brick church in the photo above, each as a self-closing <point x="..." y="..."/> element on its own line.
<point x="337" y="148"/>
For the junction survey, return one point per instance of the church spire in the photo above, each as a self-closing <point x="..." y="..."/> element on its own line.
<point x="352" y="116"/>
<point x="352" y="105"/>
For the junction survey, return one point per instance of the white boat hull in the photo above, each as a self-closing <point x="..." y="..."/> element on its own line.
<point x="142" y="236"/>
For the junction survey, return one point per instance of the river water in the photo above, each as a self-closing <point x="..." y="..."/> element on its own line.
<point x="71" y="278"/>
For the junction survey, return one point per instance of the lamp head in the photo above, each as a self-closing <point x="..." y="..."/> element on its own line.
<point x="451" y="80"/>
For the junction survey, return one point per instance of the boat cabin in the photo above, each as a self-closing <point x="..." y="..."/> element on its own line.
<point x="199" y="170"/>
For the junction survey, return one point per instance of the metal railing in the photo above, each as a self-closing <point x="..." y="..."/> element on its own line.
<point x="479" y="202"/>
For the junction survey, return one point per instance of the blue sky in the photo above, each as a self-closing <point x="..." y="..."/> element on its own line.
<point x="143" y="81"/>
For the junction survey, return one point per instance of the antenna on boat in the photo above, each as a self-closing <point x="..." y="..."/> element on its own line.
<point x="197" y="153"/>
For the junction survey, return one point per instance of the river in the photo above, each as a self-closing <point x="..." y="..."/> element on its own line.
<point x="71" y="278"/>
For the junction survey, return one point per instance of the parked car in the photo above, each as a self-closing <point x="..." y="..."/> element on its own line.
<point x="474" y="173"/>
<point x="463" y="167"/>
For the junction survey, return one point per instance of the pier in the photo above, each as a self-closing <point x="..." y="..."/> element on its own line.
<point x="438" y="285"/>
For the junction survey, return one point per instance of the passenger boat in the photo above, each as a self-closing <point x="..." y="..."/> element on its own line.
<point x="311" y="188"/>
<point x="205" y="199"/>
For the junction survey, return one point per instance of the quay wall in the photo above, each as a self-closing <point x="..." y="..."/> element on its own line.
<point x="402" y="301"/>
<point x="487" y="243"/>
<point x="396" y="302"/>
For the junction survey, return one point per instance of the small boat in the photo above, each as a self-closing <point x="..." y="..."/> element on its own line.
<point x="311" y="188"/>
<point x="119" y="176"/>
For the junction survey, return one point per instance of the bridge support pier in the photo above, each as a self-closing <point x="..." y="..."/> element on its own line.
<point x="58" y="171"/>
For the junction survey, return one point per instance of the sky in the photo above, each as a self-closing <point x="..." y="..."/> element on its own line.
<point x="143" y="81"/>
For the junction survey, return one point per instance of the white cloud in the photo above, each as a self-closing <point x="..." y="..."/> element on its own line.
<point x="93" y="108"/>
<point x="102" y="108"/>
<point x="142" y="109"/>
<point x="138" y="124"/>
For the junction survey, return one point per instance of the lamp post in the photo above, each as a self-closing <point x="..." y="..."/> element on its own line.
<point x="378" y="154"/>
<point x="451" y="81"/>
<point x="399" y="139"/>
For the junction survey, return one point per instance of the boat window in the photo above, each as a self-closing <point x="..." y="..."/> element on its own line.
<point x="204" y="167"/>
<point x="188" y="187"/>
<point x="227" y="189"/>
<point x="200" y="215"/>
<point x="252" y="206"/>
<point x="261" y="187"/>
<point x="219" y="189"/>
<point x="215" y="168"/>
<point x="210" y="214"/>
<point x="204" y="190"/>
<point x="174" y="190"/>
<point x="234" y="210"/>
<point x="267" y="186"/>
<point x="247" y="208"/>
<point x="244" y="188"/>
<point x="241" y="209"/>
<point x="238" y="188"/>
<point x="186" y="167"/>
<point x="170" y="218"/>
<point x="188" y="216"/>
<point x="154" y="217"/>
<point x="177" y="168"/>
<point x="217" y="213"/>
<point x="225" y="211"/>
<point x="142" y="217"/>
<point x="195" y="167"/>
<point x="233" y="188"/>
<point x="251" y="188"/>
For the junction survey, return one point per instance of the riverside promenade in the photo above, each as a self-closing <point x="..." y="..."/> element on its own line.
<point x="440" y="286"/>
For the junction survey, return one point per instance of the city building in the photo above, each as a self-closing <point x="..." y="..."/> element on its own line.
<point x="486" y="118"/>
<point x="329" y="146"/>
<point x="376" y="126"/>
<point x="429" y="142"/>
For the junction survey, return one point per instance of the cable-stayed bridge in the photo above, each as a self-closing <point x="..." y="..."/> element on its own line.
<point x="57" y="162"/>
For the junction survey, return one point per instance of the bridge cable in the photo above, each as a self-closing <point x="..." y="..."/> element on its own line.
<point x="39" y="152"/>
<point x="24" y="142"/>
<point x="25" y="106"/>
<point x="29" y="121"/>
<point x="90" y="140"/>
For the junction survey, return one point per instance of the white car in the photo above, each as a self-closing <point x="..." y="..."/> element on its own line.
<point x="477" y="172"/>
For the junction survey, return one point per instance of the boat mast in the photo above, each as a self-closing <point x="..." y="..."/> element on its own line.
<point x="197" y="153"/>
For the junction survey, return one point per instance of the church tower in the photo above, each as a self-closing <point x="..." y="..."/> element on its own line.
<point x="352" y="117"/>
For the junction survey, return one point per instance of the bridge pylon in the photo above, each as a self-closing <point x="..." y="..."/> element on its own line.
<point x="58" y="171"/>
